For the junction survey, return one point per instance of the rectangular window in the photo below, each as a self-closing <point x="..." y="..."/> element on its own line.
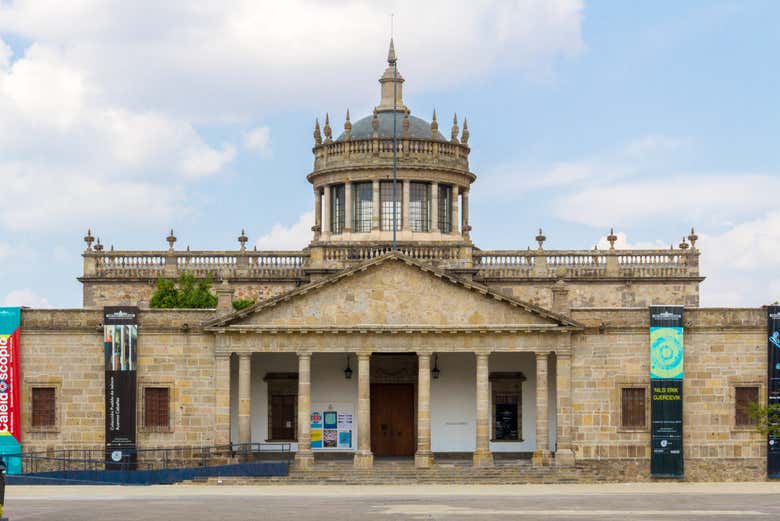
<point x="633" y="407"/>
<point x="445" y="208"/>
<point x="43" y="407"/>
<point x="363" y="207"/>
<point x="743" y="397"/>
<point x="157" y="407"/>
<point x="420" y="207"/>
<point x="507" y="391"/>
<point x="337" y="209"/>
<point x="386" y="197"/>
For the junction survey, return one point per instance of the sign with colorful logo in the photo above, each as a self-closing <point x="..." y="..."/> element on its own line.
<point x="666" y="382"/>
<point x="331" y="426"/>
<point x="773" y="365"/>
<point x="120" y="348"/>
<point x="10" y="424"/>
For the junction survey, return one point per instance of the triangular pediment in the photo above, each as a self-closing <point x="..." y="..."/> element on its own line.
<point x="394" y="291"/>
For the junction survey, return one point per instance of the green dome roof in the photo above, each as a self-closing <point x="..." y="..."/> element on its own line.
<point x="418" y="128"/>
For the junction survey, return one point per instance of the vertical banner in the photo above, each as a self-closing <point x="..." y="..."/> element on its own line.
<point x="666" y="382"/>
<point x="10" y="391"/>
<point x="773" y="362"/>
<point x="120" y="344"/>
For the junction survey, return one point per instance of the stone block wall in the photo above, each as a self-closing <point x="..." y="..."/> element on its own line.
<point x="724" y="348"/>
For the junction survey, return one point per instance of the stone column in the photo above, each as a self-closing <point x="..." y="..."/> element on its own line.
<point x="455" y="227"/>
<point x="434" y="207"/>
<point x="465" y="227"/>
<point x="423" y="458"/>
<point x="375" y="206"/>
<point x="348" y="205"/>
<point x="222" y="398"/>
<point x="482" y="455"/>
<point x="326" y="213"/>
<point x="244" y="398"/>
<point x="564" y="452"/>
<point x="317" y="213"/>
<point x="363" y="456"/>
<point x="304" y="457"/>
<point x="407" y="223"/>
<point x="542" y="453"/>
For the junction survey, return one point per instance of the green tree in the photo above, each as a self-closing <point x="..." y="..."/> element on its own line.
<point x="190" y="293"/>
<point x="766" y="417"/>
<point x="243" y="303"/>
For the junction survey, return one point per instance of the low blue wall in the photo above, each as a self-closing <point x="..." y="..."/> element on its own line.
<point x="148" y="477"/>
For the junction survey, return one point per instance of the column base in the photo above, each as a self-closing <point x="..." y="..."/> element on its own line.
<point x="364" y="459"/>
<point x="564" y="458"/>
<point x="304" y="460"/>
<point x="423" y="459"/>
<point x="483" y="459"/>
<point x="541" y="458"/>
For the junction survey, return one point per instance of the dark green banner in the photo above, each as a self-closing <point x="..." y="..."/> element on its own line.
<point x="666" y="392"/>
<point x="773" y="359"/>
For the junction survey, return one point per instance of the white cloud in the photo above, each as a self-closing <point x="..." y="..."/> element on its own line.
<point x="292" y="237"/>
<point x="259" y="140"/>
<point x="25" y="297"/>
<point x="5" y="250"/>
<point x="622" y="243"/>
<point x="243" y="57"/>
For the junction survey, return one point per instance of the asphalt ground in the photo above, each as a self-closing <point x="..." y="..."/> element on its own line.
<point x="655" y="501"/>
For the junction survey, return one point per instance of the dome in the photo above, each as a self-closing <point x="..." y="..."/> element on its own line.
<point x="418" y="127"/>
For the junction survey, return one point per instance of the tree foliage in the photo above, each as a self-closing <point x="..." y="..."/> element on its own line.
<point x="189" y="293"/>
<point x="766" y="417"/>
<point x="242" y="303"/>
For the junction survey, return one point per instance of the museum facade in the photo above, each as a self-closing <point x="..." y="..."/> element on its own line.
<point x="393" y="335"/>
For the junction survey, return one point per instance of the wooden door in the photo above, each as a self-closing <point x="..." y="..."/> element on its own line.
<point x="392" y="419"/>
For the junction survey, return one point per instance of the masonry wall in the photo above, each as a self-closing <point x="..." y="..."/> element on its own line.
<point x="724" y="348"/>
<point x="64" y="349"/>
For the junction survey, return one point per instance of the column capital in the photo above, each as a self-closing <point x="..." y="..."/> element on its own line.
<point x="563" y="354"/>
<point x="422" y="353"/>
<point x="362" y="355"/>
<point x="542" y="355"/>
<point x="244" y="355"/>
<point x="304" y="354"/>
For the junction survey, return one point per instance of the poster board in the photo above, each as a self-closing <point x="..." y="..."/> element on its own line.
<point x="333" y="426"/>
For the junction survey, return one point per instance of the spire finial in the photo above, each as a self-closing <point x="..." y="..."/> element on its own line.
<point x="327" y="130"/>
<point x="317" y="134"/>
<point x="375" y="123"/>
<point x="612" y="238"/>
<point x="692" y="238"/>
<point x="347" y="127"/>
<point x="454" y="135"/>
<point x="242" y="239"/>
<point x="434" y="126"/>
<point x="171" y="239"/>
<point x="540" y="239"/>
<point x="98" y="246"/>
<point x="89" y="239"/>
<point x="464" y="138"/>
<point x="391" y="58"/>
<point x="683" y="244"/>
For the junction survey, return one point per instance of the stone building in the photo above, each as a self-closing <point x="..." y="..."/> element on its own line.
<point x="432" y="350"/>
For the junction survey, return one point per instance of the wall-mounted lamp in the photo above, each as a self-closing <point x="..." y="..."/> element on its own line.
<point x="348" y="370"/>
<point x="436" y="371"/>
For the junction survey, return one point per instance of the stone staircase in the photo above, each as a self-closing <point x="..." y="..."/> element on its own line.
<point x="404" y="472"/>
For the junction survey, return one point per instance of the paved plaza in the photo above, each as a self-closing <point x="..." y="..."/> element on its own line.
<point x="657" y="501"/>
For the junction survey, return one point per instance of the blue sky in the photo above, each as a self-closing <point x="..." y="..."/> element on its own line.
<point x="648" y="116"/>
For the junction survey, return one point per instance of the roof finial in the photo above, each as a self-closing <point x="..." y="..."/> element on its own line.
<point x="326" y="129"/>
<point x="98" y="246"/>
<point x="89" y="239"/>
<point x="317" y="134"/>
<point x="347" y="127"/>
<point x="391" y="59"/>
<point x="171" y="239"/>
<point x="242" y="239"/>
<point x="540" y="239"/>
<point x="464" y="137"/>
<point x="693" y="238"/>
<point x="612" y="238"/>
<point x="454" y="129"/>
<point x="434" y="126"/>
<point x="375" y="123"/>
<point x="405" y="124"/>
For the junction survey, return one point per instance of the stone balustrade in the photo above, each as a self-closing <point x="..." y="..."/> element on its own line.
<point x="412" y="150"/>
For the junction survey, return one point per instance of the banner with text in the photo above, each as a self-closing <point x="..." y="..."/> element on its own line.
<point x="120" y="346"/>
<point x="666" y="379"/>
<point x="773" y="362"/>
<point x="10" y="426"/>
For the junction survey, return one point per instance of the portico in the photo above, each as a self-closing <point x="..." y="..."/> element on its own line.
<point x="501" y="379"/>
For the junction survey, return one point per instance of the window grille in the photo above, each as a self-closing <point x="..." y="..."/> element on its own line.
<point x="363" y="207"/>
<point x="743" y="397"/>
<point x="386" y="197"/>
<point x="420" y="207"/>
<point x="157" y="407"/>
<point x="43" y="407"/>
<point x="633" y="407"/>
<point x="337" y="209"/>
<point x="445" y="208"/>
